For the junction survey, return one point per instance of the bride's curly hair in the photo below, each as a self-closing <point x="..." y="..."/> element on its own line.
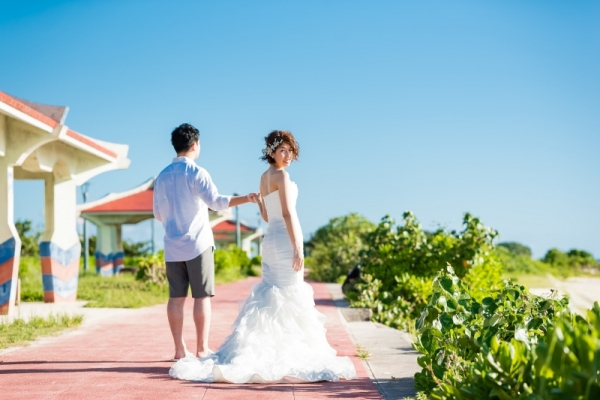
<point x="280" y="137"/>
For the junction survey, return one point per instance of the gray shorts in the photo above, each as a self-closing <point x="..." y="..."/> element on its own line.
<point x="198" y="273"/>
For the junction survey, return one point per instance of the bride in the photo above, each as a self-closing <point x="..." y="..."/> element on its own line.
<point x="279" y="336"/>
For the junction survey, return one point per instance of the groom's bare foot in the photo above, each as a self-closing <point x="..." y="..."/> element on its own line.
<point x="203" y="354"/>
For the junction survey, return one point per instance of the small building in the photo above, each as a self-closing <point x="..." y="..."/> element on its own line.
<point x="35" y="143"/>
<point x="114" y="210"/>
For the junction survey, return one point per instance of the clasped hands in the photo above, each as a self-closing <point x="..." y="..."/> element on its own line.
<point x="254" y="197"/>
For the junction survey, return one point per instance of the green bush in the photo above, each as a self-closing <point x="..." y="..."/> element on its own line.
<point x="509" y="345"/>
<point x="515" y="248"/>
<point x="570" y="263"/>
<point x="30" y="274"/>
<point x="518" y="263"/>
<point x="398" y="266"/>
<point x="152" y="268"/>
<point x="334" y="249"/>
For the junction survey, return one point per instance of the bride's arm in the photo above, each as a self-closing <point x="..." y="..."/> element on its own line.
<point x="289" y="213"/>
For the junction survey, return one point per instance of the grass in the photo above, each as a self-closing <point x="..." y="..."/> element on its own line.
<point x="361" y="352"/>
<point x="121" y="291"/>
<point x="233" y="274"/>
<point x="20" y="332"/>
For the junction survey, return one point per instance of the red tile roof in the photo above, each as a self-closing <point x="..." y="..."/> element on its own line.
<point x="138" y="202"/>
<point x="25" y="109"/>
<point x="229" y="226"/>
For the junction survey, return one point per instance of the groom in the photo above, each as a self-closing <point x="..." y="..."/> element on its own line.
<point x="183" y="193"/>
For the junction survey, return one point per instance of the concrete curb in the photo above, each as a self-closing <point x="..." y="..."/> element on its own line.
<point x="392" y="362"/>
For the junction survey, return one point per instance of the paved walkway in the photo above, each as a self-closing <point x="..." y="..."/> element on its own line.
<point x="126" y="357"/>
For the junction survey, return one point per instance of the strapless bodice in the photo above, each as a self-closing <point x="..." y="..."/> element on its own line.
<point x="273" y="203"/>
<point x="277" y="248"/>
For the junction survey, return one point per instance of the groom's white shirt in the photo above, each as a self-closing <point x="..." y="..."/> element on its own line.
<point x="183" y="193"/>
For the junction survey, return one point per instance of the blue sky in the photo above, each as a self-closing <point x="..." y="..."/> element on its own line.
<point x="435" y="107"/>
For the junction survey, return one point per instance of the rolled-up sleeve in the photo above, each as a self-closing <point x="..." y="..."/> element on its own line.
<point x="207" y="191"/>
<point x="156" y="201"/>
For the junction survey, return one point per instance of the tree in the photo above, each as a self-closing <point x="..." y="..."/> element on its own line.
<point x="136" y="249"/>
<point x="335" y="248"/>
<point x="29" y="238"/>
<point x="516" y="249"/>
<point x="571" y="260"/>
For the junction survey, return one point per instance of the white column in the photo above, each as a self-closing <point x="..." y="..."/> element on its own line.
<point x="10" y="243"/>
<point x="60" y="249"/>
<point x="106" y="245"/>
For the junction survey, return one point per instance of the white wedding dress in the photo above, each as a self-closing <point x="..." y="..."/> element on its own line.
<point x="279" y="336"/>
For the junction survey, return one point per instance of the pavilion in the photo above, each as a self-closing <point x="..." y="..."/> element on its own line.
<point x="35" y="143"/>
<point x="114" y="210"/>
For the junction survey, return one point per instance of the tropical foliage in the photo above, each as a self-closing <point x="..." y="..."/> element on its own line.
<point x="398" y="265"/>
<point x="335" y="248"/>
<point x="509" y="345"/>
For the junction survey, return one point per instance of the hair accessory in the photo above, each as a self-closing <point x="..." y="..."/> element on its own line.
<point x="271" y="148"/>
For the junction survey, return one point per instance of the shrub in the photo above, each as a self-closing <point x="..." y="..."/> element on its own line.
<point x="510" y="345"/>
<point x="334" y="249"/>
<point x="152" y="268"/>
<point x="516" y="249"/>
<point x="518" y="263"/>
<point x="231" y="257"/>
<point x="398" y="266"/>
<point x="455" y="329"/>
<point x="570" y="262"/>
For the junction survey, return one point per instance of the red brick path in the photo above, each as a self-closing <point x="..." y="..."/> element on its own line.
<point x="127" y="358"/>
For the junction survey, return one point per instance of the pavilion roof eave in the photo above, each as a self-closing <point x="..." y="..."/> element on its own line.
<point x="148" y="184"/>
<point x="83" y="214"/>
<point x="50" y="119"/>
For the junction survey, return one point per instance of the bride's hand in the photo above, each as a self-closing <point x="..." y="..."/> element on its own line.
<point x="298" y="259"/>
<point x="254" y="197"/>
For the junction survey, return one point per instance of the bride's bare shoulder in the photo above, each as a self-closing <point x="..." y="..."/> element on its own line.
<point x="280" y="175"/>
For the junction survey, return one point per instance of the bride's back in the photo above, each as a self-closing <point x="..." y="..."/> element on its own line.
<point x="277" y="249"/>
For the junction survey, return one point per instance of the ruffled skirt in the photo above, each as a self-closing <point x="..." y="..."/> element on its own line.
<point x="278" y="337"/>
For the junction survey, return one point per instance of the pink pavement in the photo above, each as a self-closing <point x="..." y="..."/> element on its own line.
<point x="128" y="358"/>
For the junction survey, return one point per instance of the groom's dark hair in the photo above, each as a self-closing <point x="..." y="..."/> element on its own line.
<point x="183" y="137"/>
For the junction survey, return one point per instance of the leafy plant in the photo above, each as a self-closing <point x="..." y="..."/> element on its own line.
<point x="152" y="268"/>
<point x="398" y="266"/>
<point x="334" y="249"/>
<point x="568" y="359"/>
<point x="234" y="258"/>
<point x="509" y="345"/>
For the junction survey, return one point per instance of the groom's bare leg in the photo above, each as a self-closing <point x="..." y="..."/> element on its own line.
<point x="202" y="314"/>
<point x="175" y="314"/>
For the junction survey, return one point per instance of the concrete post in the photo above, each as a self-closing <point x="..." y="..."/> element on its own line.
<point x="118" y="254"/>
<point x="60" y="248"/>
<point x="109" y="253"/>
<point x="10" y="243"/>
